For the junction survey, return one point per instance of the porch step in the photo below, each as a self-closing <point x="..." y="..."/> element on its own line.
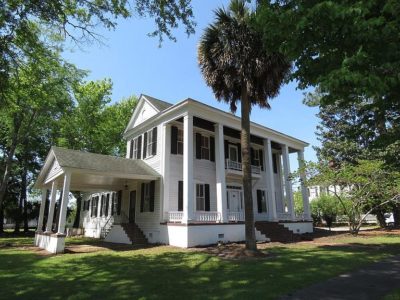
<point x="277" y="232"/>
<point x="134" y="233"/>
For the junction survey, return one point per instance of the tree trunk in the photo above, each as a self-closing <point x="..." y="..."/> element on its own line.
<point x="1" y="218"/>
<point x="380" y="216"/>
<point x="246" y="167"/>
<point x="78" y="196"/>
<point x="24" y="198"/>
<point x="18" y="215"/>
<point x="396" y="215"/>
<point x="7" y="167"/>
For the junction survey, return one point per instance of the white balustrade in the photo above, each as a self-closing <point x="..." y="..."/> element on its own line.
<point x="235" y="216"/>
<point x="208" y="216"/>
<point x="284" y="216"/>
<point x="174" y="216"/>
<point x="237" y="166"/>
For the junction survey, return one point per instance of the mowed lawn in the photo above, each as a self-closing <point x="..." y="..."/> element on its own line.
<point x="164" y="272"/>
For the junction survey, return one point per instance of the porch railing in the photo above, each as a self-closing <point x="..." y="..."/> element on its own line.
<point x="237" y="166"/>
<point x="207" y="216"/>
<point x="284" y="216"/>
<point x="235" y="216"/>
<point x="174" y="216"/>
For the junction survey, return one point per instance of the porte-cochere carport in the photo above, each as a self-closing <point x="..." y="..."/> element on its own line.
<point x="69" y="170"/>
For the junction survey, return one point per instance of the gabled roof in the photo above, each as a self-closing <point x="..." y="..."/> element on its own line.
<point x="157" y="103"/>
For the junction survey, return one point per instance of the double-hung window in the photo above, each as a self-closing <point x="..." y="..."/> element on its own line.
<point x="256" y="159"/>
<point x="135" y="148"/>
<point x="179" y="142"/>
<point x="205" y="147"/>
<point x="149" y="147"/>
<point x="200" y="197"/>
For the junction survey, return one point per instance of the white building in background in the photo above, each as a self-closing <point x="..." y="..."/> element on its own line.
<point x="180" y="182"/>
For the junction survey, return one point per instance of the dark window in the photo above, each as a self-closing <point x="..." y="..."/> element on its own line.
<point x="150" y="138"/>
<point x="205" y="145"/>
<point x="275" y="163"/>
<point x="147" y="197"/>
<point x="176" y="140"/>
<point x="136" y="145"/>
<point x="102" y="205"/>
<point x="261" y="201"/>
<point x="180" y="195"/>
<point x="94" y="208"/>
<point x="119" y="202"/>
<point x="107" y="205"/>
<point x="202" y="197"/>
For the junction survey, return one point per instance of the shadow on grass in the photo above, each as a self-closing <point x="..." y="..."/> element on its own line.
<point x="170" y="273"/>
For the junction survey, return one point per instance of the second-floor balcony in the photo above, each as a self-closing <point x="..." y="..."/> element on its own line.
<point x="235" y="168"/>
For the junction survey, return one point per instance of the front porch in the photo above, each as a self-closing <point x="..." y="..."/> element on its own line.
<point x="69" y="170"/>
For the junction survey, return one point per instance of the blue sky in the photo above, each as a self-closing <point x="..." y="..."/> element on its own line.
<point x="136" y="65"/>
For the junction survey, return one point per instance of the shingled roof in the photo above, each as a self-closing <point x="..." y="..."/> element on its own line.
<point x="159" y="104"/>
<point x="101" y="163"/>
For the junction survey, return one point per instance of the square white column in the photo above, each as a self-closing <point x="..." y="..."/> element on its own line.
<point x="166" y="155"/>
<point x="41" y="210"/>
<point x="288" y="182"/>
<point x="304" y="191"/>
<point x="270" y="180"/>
<point x="220" y="172"/>
<point x="188" y="184"/>
<point x="52" y="205"/>
<point x="64" y="203"/>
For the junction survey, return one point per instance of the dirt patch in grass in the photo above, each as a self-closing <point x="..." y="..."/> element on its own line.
<point x="234" y="251"/>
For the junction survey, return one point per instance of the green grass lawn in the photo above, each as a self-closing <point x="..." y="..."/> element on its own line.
<point x="169" y="273"/>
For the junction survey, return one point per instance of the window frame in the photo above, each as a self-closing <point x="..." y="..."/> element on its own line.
<point x="205" y="149"/>
<point x="200" y="199"/>
<point x="256" y="158"/>
<point x="179" y="142"/>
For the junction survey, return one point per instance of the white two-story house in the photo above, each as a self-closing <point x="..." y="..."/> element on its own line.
<point x="179" y="184"/>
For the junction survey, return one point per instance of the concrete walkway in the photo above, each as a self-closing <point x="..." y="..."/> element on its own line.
<point x="371" y="282"/>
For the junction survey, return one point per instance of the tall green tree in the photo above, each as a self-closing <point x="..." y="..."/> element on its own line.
<point x="77" y="21"/>
<point x="350" y="51"/>
<point x="240" y="67"/>
<point x="34" y="99"/>
<point x="363" y="187"/>
<point x="95" y="125"/>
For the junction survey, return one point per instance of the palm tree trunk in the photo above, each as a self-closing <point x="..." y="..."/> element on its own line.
<point x="246" y="166"/>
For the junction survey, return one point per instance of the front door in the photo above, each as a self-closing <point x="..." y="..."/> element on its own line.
<point x="132" y="206"/>
<point x="234" y="201"/>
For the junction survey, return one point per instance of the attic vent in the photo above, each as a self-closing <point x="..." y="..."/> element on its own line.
<point x="221" y="235"/>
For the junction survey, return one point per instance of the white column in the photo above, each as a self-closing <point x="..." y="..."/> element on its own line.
<point x="188" y="193"/>
<point x="220" y="172"/>
<point x="41" y="211"/>
<point x="52" y="205"/>
<point x="64" y="203"/>
<point x="288" y="182"/>
<point x="166" y="155"/>
<point x="270" y="180"/>
<point x="304" y="192"/>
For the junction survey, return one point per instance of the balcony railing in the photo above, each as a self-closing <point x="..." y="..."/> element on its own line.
<point x="237" y="166"/>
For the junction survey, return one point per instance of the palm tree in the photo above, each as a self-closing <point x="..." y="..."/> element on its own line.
<point x="238" y="67"/>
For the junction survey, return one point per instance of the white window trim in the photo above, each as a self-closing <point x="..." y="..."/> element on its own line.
<point x="204" y="196"/>
<point x="178" y="141"/>
<point x="149" y="144"/>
